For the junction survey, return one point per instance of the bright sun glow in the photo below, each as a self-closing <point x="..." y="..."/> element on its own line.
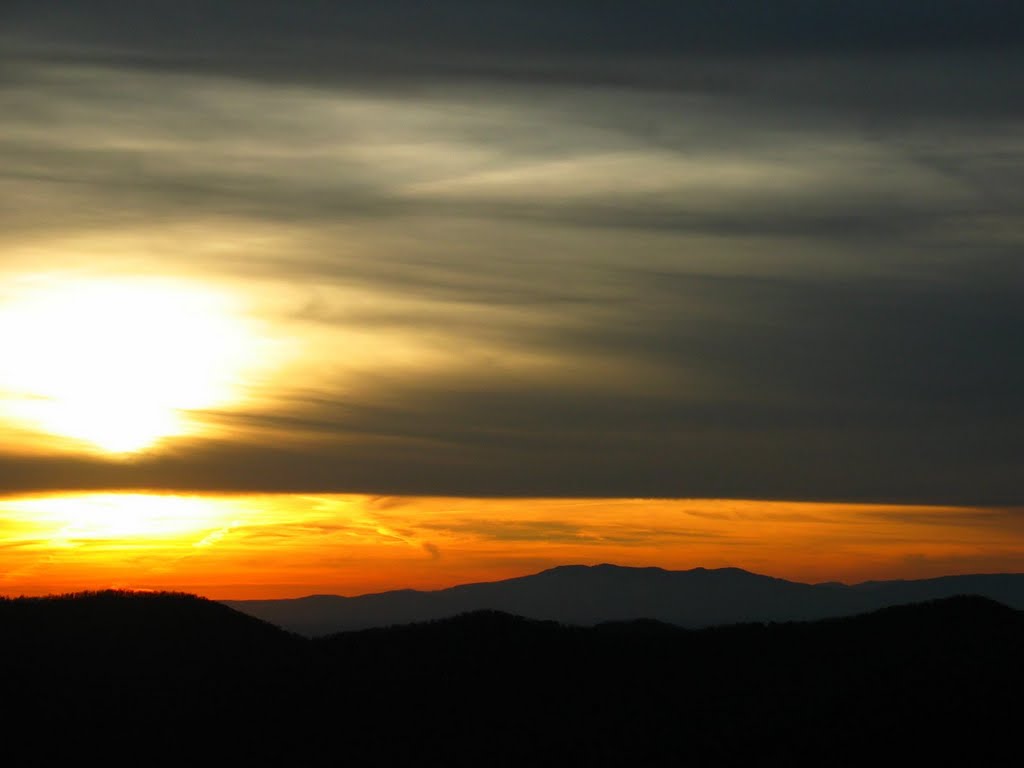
<point x="118" y="364"/>
<point x="72" y="520"/>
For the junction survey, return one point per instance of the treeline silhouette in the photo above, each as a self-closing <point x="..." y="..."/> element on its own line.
<point x="159" y="678"/>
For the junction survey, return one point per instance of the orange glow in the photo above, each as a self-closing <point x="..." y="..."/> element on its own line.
<point x="292" y="545"/>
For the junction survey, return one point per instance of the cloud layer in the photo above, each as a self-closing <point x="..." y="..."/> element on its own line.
<point x="597" y="249"/>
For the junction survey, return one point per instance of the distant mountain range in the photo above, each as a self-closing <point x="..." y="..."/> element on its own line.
<point x="588" y="595"/>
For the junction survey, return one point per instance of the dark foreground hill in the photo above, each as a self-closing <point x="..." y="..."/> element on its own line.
<point x="587" y="595"/>
<point x="160" y="679"/>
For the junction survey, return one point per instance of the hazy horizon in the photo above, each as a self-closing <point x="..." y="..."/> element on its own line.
<point x="341" y="297"/>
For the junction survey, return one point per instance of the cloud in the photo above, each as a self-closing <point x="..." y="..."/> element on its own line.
<point x="579" y="41"/>
<point x="600" y="250"/>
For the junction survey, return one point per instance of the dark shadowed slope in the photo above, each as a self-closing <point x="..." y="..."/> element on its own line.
<point x="130" y="678"/>
<point x="137" y="628"/>
<point x="917" y="683"/>
<point x="589" y="595"/>
<point x="151" y="680"/>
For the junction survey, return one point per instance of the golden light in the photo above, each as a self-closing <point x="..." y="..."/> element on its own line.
<point x="126" y="518"/>
<point x="118" y="364"/>
<point x="289" y="545"/>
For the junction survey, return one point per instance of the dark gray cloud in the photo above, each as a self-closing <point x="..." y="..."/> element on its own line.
<point x="867" y="57"/>
<point x="273" y="29"/>
<point x="662" y="248"/>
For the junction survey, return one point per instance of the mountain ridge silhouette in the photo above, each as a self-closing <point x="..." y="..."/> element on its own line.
<point x="164" y="679"/>
<point x="587" y="595"/>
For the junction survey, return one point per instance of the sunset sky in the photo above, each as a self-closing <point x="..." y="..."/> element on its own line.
<point x="336" y="297"/>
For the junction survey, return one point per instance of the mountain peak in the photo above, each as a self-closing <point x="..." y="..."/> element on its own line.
<point x="602" y="568"/>
<point x="615" y="568"/>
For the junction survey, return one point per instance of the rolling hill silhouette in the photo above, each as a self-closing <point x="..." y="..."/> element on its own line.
<point x="588" y="595"/>
<point x="164" y="679"/>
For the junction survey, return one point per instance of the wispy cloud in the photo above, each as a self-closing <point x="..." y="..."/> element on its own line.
<point x="598" y="255"/>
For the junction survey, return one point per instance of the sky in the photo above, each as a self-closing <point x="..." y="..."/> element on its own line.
<point x="556" y="266"/>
